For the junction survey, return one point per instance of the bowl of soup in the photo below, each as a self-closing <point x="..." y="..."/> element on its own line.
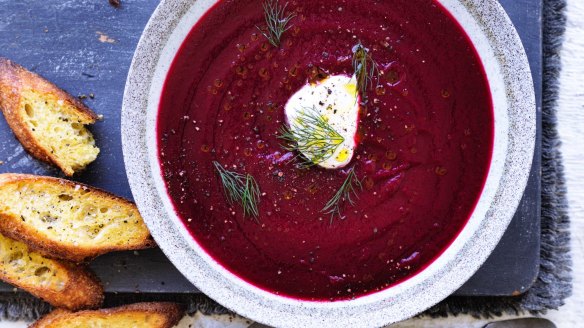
<point x="328" y="163"/>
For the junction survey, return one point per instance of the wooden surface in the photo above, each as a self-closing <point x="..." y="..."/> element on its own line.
<point x="85" y="46"/>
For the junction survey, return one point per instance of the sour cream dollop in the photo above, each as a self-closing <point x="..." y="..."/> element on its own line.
<point x="335" y="100"/>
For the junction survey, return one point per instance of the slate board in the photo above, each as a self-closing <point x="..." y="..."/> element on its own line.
<point x="85" y="47"/>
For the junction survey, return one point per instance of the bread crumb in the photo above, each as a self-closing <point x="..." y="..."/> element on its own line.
<point x="103" y="38"/>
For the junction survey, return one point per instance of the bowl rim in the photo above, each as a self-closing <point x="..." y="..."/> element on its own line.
<point x="509" y="73"/>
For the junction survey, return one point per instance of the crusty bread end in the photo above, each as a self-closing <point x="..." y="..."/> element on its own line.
<point x="48" y="122"/>
<point x="68" y="220"/>
<point x="60" y="283"/>
<point x="139" y="315"/>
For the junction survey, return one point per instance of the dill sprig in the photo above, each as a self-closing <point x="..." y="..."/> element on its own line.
<point x="241" y="189"/>
<point x="312" y="136"/>
<point x="344" y="195"/>
<point x="365" y="68"/>
<point x="276" y="21"/>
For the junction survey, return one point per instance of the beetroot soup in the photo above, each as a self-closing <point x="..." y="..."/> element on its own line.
<point x="263" y="204"/>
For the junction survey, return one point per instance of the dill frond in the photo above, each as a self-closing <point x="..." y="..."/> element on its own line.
<point x="312" y="136"/>
<point x="365" y="68"/>
<point x="276" y="21"/>
<point x="344" y="195"/>
<point x="241" y="189"/>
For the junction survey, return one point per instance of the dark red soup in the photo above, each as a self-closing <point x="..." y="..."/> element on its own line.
<point x="424" y="143"/>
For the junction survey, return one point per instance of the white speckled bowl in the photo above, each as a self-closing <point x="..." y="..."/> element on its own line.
<point x="509" y="76"/>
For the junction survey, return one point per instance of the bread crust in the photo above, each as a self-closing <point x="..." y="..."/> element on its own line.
<point x="14" y="228"/>
<point x="13" y="80"/>
<point x="81" y="291"/>
<point x="172" y="313"/>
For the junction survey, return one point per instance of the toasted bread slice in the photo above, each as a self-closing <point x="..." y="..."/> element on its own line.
<point x="68" y="220"/>
<point x="60" y="283"/>
<point x="48" y="122"/>
<point x="140" y="315"/>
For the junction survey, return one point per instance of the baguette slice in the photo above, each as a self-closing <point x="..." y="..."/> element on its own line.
<point x="139" y="315"/>
<point x="60" y="283"/>
<point x="48" y="122"/>
<point x="68" y="220"/>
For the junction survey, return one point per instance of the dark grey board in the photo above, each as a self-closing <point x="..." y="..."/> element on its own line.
<point x="514" y="265"/>
<point x="85" y="47"/>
